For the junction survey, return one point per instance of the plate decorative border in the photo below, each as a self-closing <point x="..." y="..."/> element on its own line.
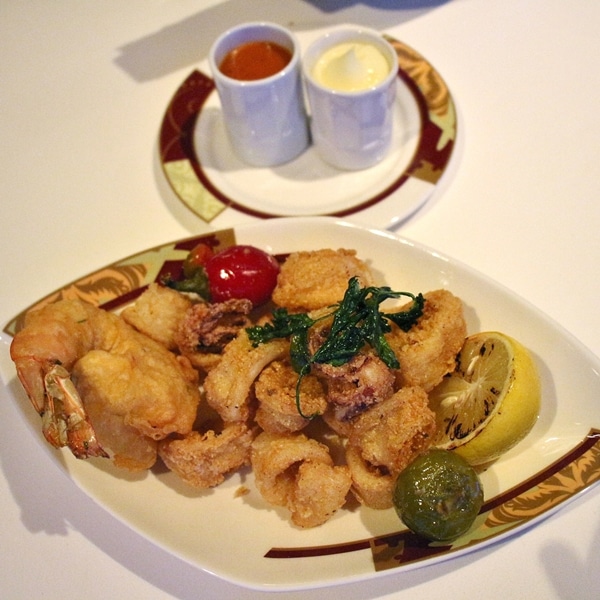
<point x="183" y="169"/>
<point x="118" y="284"/>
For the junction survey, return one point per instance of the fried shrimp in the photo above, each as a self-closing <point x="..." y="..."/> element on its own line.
<point x="298" y="473"/>
<point x="394" y="432"/>
<point x="129" y="449"/>
<point x="158" y="313"/>
<point x="207" y="328"/>
<point x="121" y="371"/>
<point x="428" y="350"/>
<point x="228" y="386"/>
<point x="312" y="280"/>
<point x="204" y="460"/>
<point x="275" y="390"/>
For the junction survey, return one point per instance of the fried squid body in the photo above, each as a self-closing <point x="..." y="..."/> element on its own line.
<point x="229" y="386"/>
<point x="312" y="280"/>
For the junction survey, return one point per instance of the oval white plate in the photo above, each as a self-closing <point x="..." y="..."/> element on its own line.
<point x="202" y="170"/>
<point x="243" y="540"/>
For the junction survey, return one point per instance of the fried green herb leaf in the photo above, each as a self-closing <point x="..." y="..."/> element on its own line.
<point x="357" y="321"/>
<point x="283" y="325"/>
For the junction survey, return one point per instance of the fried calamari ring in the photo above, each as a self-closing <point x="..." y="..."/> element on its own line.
<point x="320" y="491"/>
<point x="228" y="386"/>
<point x="298" y="473"/>
<point x="275" y="390"/>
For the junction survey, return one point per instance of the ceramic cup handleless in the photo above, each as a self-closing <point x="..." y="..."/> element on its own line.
<point x="351" y="77"/>
<point x="265" y="118"/>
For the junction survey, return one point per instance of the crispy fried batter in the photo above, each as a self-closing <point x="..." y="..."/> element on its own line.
<point x="311" y="280"/>
<point x="143" y="400"/>
<point x="228" y="386"/>
<point x="428" y="350"/>
<point x="157" y="313"/>
<point x="320" y="491"/>
<point x="340" y="428"/>
<point x="371" y="486"/>
<point x="157" y="395"/>
<point x="208" y="327"/>
<point x="75" y="359"/>
<point x="275" y="459"/>
<point x="393" y="433"/>
<point x="297" y="472"/>
<point x="204" y="460"/>
<point x="275" y="390"/>
<point x="127" y="447"/>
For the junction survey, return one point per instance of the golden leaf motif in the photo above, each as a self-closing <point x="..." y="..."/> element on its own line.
<point x="427" y="172"/>
<point x="556" y="489"/>
<point x="117" y="284"/>
<point x="97" y="288"/>
<point x="427" y="78"/>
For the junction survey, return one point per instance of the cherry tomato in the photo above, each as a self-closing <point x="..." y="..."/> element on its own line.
<point x="242" y="272"/>
<point x="198" y="257"/>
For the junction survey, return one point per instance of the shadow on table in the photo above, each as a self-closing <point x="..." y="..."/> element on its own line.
<point x="187" y="42"/>
<point x="572" y="574"/>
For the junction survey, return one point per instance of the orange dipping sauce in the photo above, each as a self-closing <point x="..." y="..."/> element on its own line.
<point x="255" y="60"/>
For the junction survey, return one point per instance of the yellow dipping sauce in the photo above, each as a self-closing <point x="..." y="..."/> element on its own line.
<point x="351" y="67"/>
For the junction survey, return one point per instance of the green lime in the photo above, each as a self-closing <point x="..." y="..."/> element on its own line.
<point x="438" y="495"/>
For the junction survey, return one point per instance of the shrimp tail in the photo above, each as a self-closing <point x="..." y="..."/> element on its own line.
<point x="64" y="419"/>
<point x="31" y="376"/>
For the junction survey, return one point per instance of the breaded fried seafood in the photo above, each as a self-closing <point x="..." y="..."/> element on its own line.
<point x="323" y="394"/>
<point x="228" y="386"/>
<point x="298" y="473"/>
<point x="311" y="280"/>
<point x="356" y="385"/>
<point x="131" y="381"/>
<point x="203" y="460"/>
<point x="275" y="392"/>
<point x="372" y="486"/>
<point x="428" y="350"/>
<point x="158" y="313"/>
<point x="394" y="432"/>
<point x="207" y="328"/>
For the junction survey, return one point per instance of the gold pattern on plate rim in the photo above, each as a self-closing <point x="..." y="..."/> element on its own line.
<point x="117" y="284"/>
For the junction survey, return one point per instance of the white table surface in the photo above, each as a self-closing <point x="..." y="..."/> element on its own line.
<point x="83" y="89"/>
